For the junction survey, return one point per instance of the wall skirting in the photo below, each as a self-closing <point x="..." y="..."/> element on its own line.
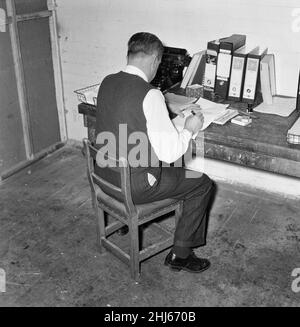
<point x="284" y="186"/>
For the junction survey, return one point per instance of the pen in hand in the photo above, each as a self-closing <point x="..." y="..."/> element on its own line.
<point x="198" y="110"/>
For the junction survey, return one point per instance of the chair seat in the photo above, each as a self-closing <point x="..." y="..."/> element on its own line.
<point x="143" y="210"/>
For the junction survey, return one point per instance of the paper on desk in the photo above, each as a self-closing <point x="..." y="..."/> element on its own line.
<point x="293" y="134"/>
<point x="210" y="111"/>
<point x="180" y="100"/>
<point x="281" y="106"/>
<point x="295" y="129"/>
<point x="91" y="94"/>
<point x="210" y="105"/>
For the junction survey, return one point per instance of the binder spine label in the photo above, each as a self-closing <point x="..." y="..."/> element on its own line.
<point x="251" y="78"/>
<point x="210" y="69"/>
<point x="223" y="73"/>
<point x="224" y="65"/>
<point x="210" y="75"/>
<point x="236" y="77"/>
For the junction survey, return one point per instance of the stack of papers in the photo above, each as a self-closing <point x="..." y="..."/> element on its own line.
<point x="90" y="95"/>
<point x="210" y="111"/>
<point x="281" y="106"/>
<point x="293" y="134"/>
<point x="224" y="118"/>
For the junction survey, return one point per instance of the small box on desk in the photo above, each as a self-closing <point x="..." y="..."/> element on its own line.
<point x="194" y="91"/>
<point x="241" y="120"/>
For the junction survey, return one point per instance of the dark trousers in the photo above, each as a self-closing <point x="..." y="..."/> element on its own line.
<point x="195" y="192"/>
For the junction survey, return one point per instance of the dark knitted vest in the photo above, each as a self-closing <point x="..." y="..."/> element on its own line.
<point x="120" y="112"/>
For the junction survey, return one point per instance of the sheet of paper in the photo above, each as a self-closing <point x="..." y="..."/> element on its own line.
<point x="91" y="94"/>
<point x="295" y="129"/>
<point x="209" y="109"/>
<point x="210" y="105"/>
<point x="293" y="134"/>
<point x="179" y="100"/>
<point x="281" y="106"/>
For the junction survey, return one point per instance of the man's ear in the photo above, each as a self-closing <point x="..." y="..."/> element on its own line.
<point x="153" y="60"/>
<point x="156" y="62"/>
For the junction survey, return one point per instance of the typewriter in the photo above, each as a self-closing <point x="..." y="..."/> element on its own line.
<point x="170" y="70"/>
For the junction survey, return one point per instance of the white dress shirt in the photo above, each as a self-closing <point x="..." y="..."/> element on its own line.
<point x="167" y="143"/>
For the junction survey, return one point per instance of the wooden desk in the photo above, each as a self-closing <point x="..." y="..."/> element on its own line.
<point x="261" y="145"/>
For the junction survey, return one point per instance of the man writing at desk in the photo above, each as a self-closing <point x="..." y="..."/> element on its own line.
<point x="128" y="98"/>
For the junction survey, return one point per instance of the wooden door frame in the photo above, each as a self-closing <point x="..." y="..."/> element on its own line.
<point x="57" y="66"/>
<point x="12" y="21"/>
<point x="19" y="72"/>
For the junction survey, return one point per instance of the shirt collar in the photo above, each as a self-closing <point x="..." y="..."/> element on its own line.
<point x="130" y="69"/>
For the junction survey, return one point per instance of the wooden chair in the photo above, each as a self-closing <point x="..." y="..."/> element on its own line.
<point x="126" y="213"/>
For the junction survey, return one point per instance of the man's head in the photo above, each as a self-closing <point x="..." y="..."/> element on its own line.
<point x="145" y="51"/>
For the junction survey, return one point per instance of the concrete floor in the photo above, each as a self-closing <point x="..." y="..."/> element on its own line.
<point x="48" y="247"/>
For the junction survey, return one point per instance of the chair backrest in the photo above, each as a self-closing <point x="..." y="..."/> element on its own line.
<point x="123" y="167"/>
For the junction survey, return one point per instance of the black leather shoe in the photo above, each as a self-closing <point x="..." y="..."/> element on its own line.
<point x="191" y="264"/>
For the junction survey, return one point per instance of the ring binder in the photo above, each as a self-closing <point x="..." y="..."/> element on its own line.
<point x="227" y="47"/>
<point x="237" y="76"/>
<point x="252" y="80"/>
<point x="298" y="94"/>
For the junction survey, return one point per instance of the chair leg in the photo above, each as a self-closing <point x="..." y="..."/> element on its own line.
<point x="134" y="248"/>
<point x="101" y="226"/>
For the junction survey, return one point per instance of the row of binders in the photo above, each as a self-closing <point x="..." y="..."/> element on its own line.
<point x="233" y="71"/>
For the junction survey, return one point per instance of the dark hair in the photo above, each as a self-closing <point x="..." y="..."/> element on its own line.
<point x="146" y="43"/>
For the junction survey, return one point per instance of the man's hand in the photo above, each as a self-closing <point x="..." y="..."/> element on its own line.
<point x="194" y="123"/>
<point x="179" y="108"/>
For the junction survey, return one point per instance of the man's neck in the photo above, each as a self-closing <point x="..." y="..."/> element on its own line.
<point x="136" y="71"/>
<point x="141" y="65"/>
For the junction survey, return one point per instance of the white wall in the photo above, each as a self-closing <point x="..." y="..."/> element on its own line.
<point x="285" y="186"/>
<point x="93" y="36"/>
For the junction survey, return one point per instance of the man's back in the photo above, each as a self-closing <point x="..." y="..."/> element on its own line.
<point x="120" y="101"/>
<point x="120" y="113"/>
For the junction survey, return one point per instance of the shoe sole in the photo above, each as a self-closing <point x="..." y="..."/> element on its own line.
<point x="178" y="269"/>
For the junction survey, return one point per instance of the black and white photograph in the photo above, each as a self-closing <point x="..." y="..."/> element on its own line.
<point x="150" y="156"/>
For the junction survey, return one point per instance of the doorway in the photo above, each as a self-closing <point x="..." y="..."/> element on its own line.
<point x="29" y="121"/>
